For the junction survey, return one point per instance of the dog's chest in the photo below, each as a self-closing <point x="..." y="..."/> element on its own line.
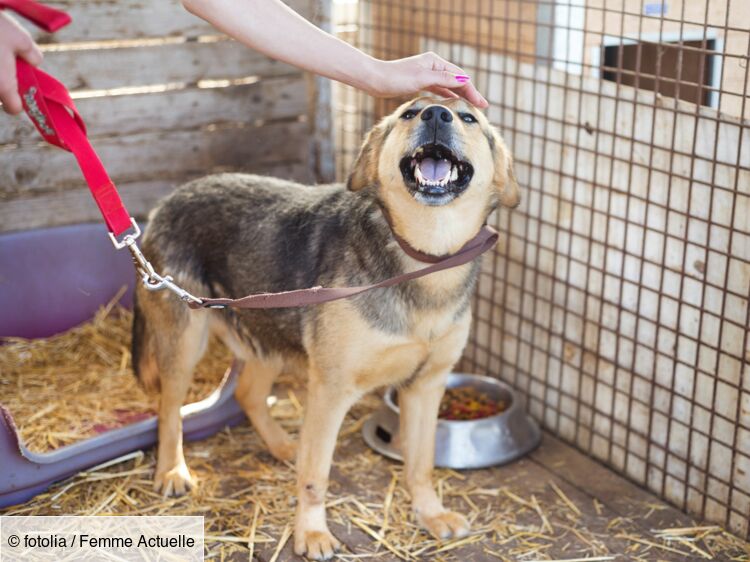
<point x="426" y="327"/>
<point x="380" y="357"/>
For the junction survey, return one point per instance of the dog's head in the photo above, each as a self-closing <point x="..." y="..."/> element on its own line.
<point x="438" y="152"/>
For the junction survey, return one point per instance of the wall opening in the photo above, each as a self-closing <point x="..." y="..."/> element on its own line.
<point x="685" y="70"/>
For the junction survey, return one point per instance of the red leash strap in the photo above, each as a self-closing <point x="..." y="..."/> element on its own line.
<point x="49" y="19"/>
<point x="48" y="104"/>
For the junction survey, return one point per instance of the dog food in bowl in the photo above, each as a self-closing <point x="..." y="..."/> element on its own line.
<point x="469" y="441"/>
<point x="468" y="403"/>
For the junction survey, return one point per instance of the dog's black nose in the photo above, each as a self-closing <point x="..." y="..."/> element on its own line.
<point x="437" y="112"/>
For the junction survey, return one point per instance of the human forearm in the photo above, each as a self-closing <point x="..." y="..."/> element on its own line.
<point x="272" y="28"/>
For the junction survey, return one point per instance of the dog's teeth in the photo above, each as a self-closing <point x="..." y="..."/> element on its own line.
<point x="418" y="175"/>
<point x="454" y="173"/>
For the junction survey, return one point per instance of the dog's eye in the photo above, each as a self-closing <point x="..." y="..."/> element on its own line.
<point x="467" y="118"/>
<point x="409" y="114"/>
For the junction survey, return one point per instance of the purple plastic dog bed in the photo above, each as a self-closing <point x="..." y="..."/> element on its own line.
<point x="51" y="280"/>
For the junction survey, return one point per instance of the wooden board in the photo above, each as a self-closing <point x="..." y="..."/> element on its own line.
<point x="165" y="98"/>
<point x="159" y="63"/>
<point x="587" y="475"/>
<point x="77" y="206"/>
<point x="95" y="20"/>
<point x="155" y="155"/>
<point x="185" y="108"/>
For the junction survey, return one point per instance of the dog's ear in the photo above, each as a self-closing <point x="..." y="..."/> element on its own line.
<point x="365" y="169"/>
<point x="505" y="178"/>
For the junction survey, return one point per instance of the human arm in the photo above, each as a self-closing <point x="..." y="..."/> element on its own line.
<point x="277" y="31"/>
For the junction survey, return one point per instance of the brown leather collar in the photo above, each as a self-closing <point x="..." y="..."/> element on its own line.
<point x="410" y="250"/>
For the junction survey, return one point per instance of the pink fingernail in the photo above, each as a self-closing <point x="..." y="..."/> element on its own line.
<point x="462" y="78"/>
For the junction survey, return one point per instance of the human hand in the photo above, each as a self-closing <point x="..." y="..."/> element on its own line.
<point x="428" y="72"/>
<point x="14" y="41"/>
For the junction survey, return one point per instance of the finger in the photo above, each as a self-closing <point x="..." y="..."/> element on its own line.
<point x="19" y="40"/>
<point x="459" y="83"/>
<point x="450" y="71"/>
<point x="8" y="85"/>
<point x="439" y="63"/>
<point x="31" y="53"/>
<point x="469" y="92"/>
<point x="443" y="92"/>
<point x="429" y="78"/>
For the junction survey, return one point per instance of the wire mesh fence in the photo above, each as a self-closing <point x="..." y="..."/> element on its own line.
<point x="617" y="302"/>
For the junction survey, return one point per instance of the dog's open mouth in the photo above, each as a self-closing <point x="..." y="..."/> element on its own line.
<point x="435" y="175"/>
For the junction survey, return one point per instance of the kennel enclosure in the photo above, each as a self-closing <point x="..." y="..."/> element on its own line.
<point x="617" y="301"/>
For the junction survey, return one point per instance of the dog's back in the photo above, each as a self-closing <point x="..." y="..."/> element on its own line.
<point x="229" y="235"/>
<point x="236" y="228"/>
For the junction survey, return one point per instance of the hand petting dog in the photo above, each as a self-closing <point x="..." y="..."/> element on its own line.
<point x="274" y="29"/>
<point x="428" y="72"/>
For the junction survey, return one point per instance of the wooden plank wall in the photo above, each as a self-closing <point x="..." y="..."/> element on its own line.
<point x="165" y="99"/>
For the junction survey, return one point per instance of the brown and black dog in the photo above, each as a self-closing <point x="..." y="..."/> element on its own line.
<point x="438" y="168"/>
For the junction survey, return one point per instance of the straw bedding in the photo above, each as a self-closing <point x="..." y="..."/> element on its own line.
<point x="71" y="386"/>
<point x="79" y="383"/>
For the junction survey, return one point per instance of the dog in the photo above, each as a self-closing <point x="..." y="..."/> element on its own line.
<point x="431" y="173"/>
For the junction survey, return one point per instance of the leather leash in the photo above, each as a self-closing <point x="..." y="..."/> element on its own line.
<point x="482" y="242"/>
<point x="48" y="104"/>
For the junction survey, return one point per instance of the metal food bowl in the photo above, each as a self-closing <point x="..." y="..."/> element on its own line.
<point x="463" y="444"/>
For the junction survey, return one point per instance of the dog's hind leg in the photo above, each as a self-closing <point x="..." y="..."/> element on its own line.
<point x="253" y="389"/>
<point x="174" y="340"/>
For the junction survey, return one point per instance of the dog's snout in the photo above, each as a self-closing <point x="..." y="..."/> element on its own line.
<point x="436" y="112"/>
<point x="437" y="126"/>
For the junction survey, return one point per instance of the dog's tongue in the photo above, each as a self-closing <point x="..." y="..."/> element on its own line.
<point x="435" y="170"/>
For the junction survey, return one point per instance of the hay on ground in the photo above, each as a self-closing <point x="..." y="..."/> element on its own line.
<point x="70" y="386"/>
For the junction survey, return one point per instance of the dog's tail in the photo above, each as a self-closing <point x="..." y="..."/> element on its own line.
<point x="142" y="350"/>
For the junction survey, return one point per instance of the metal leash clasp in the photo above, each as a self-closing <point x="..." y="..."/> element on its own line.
<point x="129" y="238"/>
<point x="149" y="277"/>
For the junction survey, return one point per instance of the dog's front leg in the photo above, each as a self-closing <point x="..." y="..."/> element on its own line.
<point x="419" y="404"/>
<point x="327" y="404"/>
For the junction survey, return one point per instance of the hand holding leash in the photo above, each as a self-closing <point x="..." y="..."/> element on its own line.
<point x="15" y="41"/>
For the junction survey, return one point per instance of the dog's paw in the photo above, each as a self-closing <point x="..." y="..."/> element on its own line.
<point x="316" y="545"/>
<point x="285" y="450"/>
<point x="174" y="482"/>
<point x="446" y="525"/>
